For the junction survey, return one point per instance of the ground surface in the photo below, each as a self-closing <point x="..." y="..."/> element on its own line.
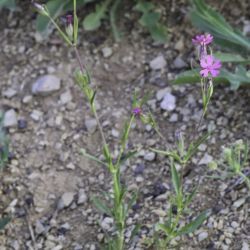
<point x="46" y="163"/>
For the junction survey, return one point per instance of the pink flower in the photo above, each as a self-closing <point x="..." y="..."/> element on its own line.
<point x="210" y="65"/>
<point x="137" y="111"/>
<point x="202" y="40"/>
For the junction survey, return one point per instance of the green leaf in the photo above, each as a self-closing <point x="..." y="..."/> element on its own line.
<point x="144" y="6"/>
<point x="207" y="19"/>
<point x="10" y="4"/>
<point x="230" y="57"/>
<point x="150" y="19"/>
<point x="93" y="20"/>
<point x="132" y="201"/>
<point x="162" y="227"/>
<point x="195" y="224"/>
<point x="91" y="157"/>
<point x="101" y="206"/>
<point x="134" y="232"/>
<point x="175" y="179"/>
<point x="55" y="8"/>
<point x="4" y="222"/>
<point x="159" y="33"/>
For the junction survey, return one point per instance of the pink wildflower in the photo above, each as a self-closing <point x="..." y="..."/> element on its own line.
<point x="210" y="65"/>
<point x="202" y="40"/>
<point x="136" y="111"/>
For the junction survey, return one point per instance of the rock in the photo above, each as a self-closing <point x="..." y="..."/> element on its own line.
<point x="179" y="63"/>
<point x="239" y="202"/>
<point x="82" y="197"/>
<point x="66" y="200"/>
<point x="161" y="93"/>
<point x="173" y="118"/>
<point x="202" y="236"/>
<point x="10" y="119"/>
<point x="115" y="133"/>
<point x="9" y="93"/>
<point x="107" y="224"/>
<point x="39" y="227"/>
<point x="107" y="52"/>
<point x="91" y="125"/>
<point x="46" y="85"/>
<point x="70" y="166"/>
<point x="169" y="102"/>
<point x="27" y="99"/>
<point x="66" y="97"/>
<point x="206" y="159"/>
<point x="245" y="246"/>
<point x="179" y="45"/>
<point x="22" y="124"/>
<point x="36" y="115"/>
<point x="139" y="169"/>
<point x="150" y="156"/>
<point x="158" y="63"/>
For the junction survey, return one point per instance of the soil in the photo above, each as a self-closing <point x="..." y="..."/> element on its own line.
<point x="39" y="173"/>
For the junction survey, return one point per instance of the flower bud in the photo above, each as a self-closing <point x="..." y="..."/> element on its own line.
<point x="40" y="8"/>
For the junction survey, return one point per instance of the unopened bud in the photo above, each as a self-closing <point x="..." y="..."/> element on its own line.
<point x="40" y="8"/>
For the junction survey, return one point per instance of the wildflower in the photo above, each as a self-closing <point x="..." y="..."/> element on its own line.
<point x="202" y="40"/>
<point x="69" y="26"/>
<point x="137" y="111"/>
<point x="210" y="65"/>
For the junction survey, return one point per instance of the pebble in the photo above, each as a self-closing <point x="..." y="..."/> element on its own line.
<point x="202" y="236"/>
<point x="9" y="93"/>
<point x="245" y="246"/>
<point x="115" y="133"/>
<point x="179" y="63"/>
<point x="10" y="119"/>
<point x="158" y="63"/>
<point x="22" y="124"/>
<point x="46" y="85"/>
<point x="239" y="202"/>
<point x="107" y="223"/>
<point x="36" y="115"/>
<point x="91" y="125"/>
<point x="39" y="227"/>
<point x="169" y="102"/>
<point x="173" y="118"/>
<point x="206" y="159"/>
<point x="107" y="52"/>
<point x="70" y="166"/>
<point x="65" y="201"/>
<point x="161" y="93"/>
<point x="27" y="99"/>
<point x="150" y="156"/>
<point x="82" y="197"/>
<point x="66" y="97"/>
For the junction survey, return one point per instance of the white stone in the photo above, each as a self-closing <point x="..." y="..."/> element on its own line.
<point x="9" y="93"/>
<point x="150" y="156"/>
<point x="91" y="125"/>
<point x="169" y="102"/>
<point x="82" y="197"/>
<point x="36" y="115"/>
<point x="46" y="85"/>
<point x="107" y="52"/>
<point x="66" y="200"/>
<point x="202" y="236"/>
<point x="245" y="246"/>
<point x="158" y="63"/>
<point x="66" y="97"/>
<point x="107" y="223"/>
<point x="10" y="119"/>
<point x="206" y="159"/>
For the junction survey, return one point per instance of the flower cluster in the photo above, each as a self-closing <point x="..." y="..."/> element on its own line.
<point x="209" y="64"/>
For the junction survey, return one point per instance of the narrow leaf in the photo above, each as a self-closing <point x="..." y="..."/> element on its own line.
<point x="101" y="206"/>
<point x="175" y="179"/>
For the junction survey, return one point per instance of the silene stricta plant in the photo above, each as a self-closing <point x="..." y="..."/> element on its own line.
<point x="119" y="201"/>
<point x="175" y="225"/>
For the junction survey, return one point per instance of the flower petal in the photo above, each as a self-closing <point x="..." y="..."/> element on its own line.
<point x="214" y="72"/>
<point x="203" y="61"/>
<point x="204" y="72"/>
<point x="217" y="64"/>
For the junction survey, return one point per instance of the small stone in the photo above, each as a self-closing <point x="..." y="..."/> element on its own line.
<point x="202" y="236"/>
<point x="169" y="102"/>
<point x="91" y="125"/>
<point x="107" y="223"/>
<point x="150" y="156"/>
<point x="161" y="93"/>
<point x="173" y="118"/>
<point x="234" y="224"/>
<point x="107" y="52"/>
<point x="9" y="93"/>
<point x="70" y="166"/>
<point x="239" y="202"/>
<point x="27" y="99"/>
<point x="245" y="246"/>
<point x="82" y="197"/>
<point x="10" y="119"/>
<point x="46" y="85"/>
<point x="22" y="124"/>
<point x="206" y="159"/>
<point x="39" y="227"/>
<point x="139" y="169"/>
<point x="65" y="201"/>
<point x="179" y="45"/>
<point x="158" y="63"/>
<point x="179" y="63"/>
<point x="115" y="133"/>
<point x="66" y="97"/>
<point x="36" y="115"/>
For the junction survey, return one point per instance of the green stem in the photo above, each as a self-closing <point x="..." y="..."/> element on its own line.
<point x="113" y="12"/>
<point x="246" y="179"/>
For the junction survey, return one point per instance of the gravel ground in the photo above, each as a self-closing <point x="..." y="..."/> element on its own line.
<point x="47" y="185"/>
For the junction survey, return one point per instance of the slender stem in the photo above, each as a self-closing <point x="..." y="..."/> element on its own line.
<point x="82" y="67"/>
